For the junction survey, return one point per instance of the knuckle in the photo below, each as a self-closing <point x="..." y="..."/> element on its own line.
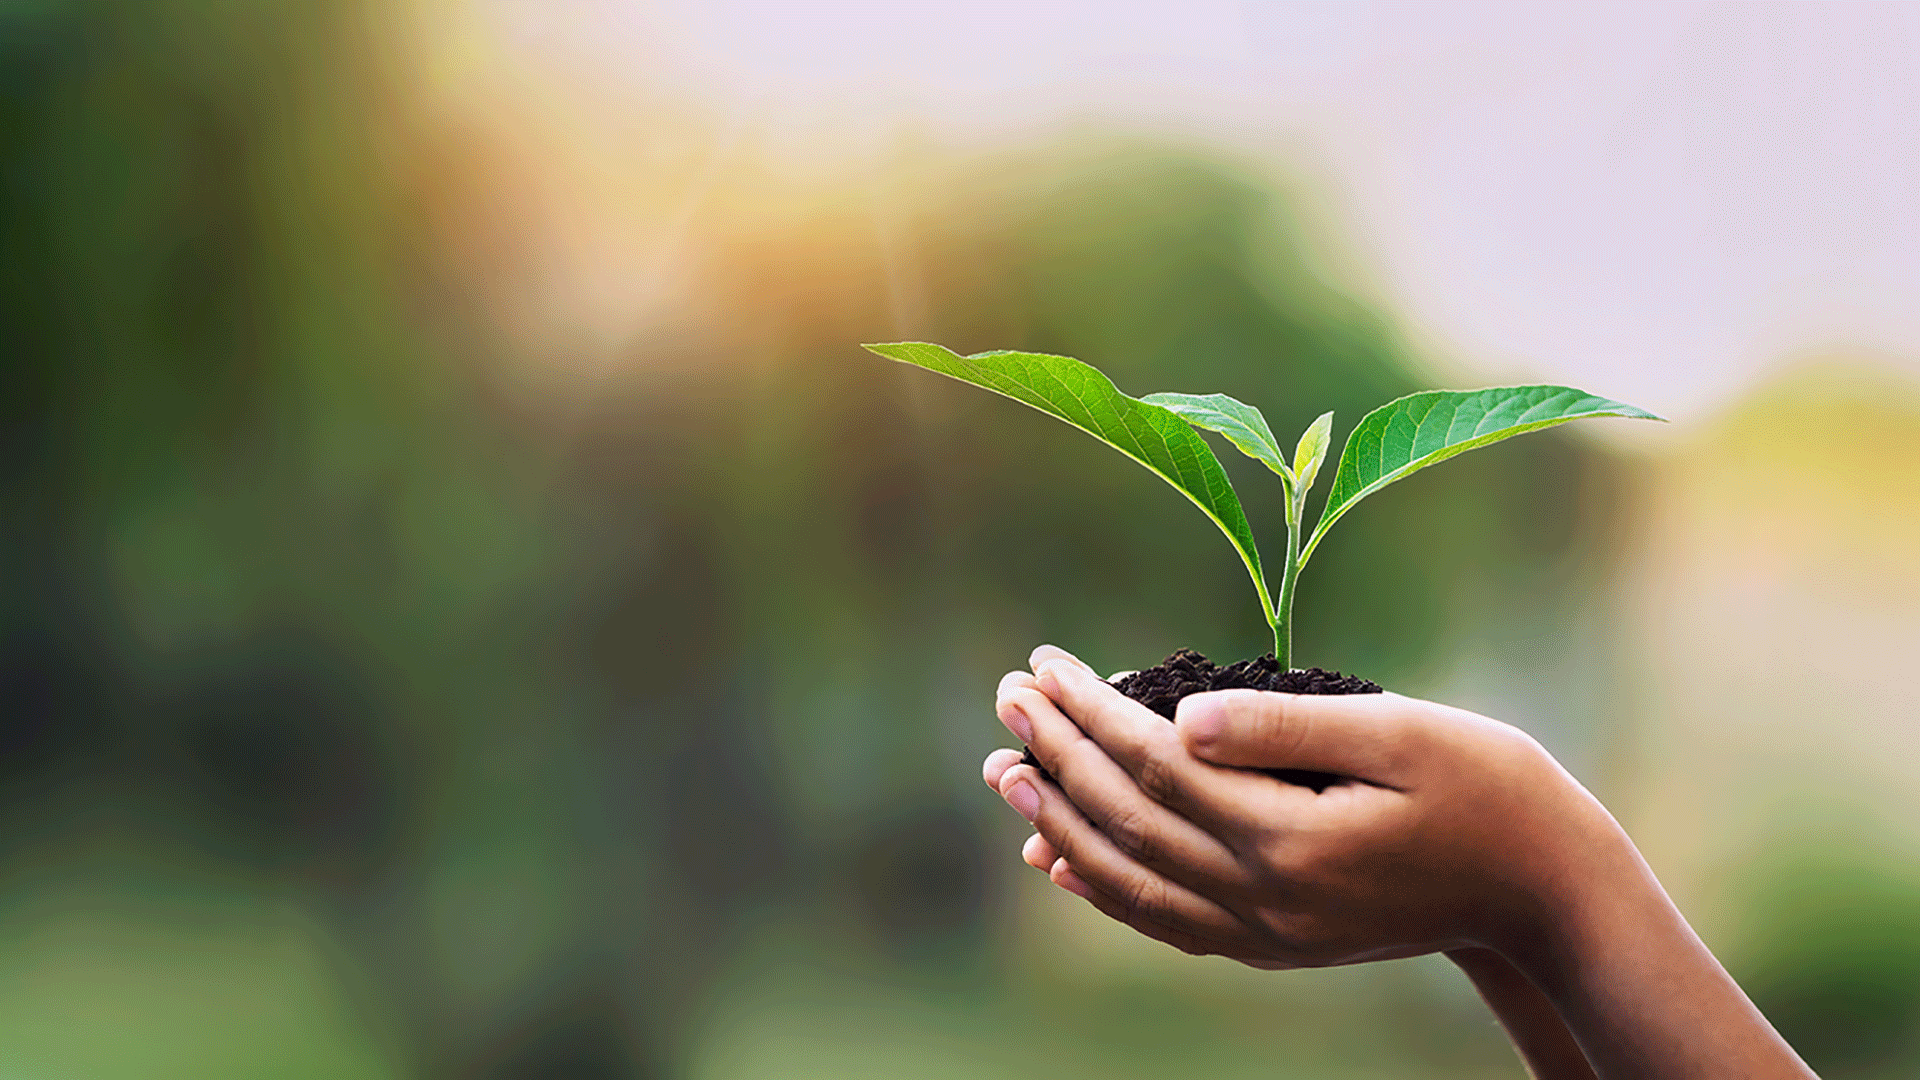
<point x="1522" y="745"/>
<point x="1405" y="747"/>
<point x="1146" y="902"/>
<point x="1303" y="938"/>
<point x="1159" y="778"/>
<point x="1274" y="861"/>
<point x="1292" y="728"/>
<point x="1295" y="861"/>
<point x="1273" y="720"/>
<point x="1506" y="746"/>
<point x="1070" y="845"/>
<point x="1066" y="845"/>
<point x="1130" y="833"/>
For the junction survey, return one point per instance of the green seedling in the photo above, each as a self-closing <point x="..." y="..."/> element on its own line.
<point x="1390" y="443"/>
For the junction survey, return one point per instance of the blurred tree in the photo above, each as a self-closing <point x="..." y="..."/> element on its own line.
<point x="263" y="545"/>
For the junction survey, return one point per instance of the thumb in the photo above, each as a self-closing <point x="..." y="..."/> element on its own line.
<point x="1359" y="735"/>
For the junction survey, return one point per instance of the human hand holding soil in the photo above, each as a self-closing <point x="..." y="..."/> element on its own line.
<point x="1446" y="831"/>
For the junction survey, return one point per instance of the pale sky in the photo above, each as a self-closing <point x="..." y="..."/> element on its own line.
<point x="1656" y="201"/>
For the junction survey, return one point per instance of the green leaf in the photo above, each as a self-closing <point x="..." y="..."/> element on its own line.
<point x="1078" y="393"/>
<point x="1240" y="422"/>
<point x="1311" y="451"/>
<point x="1402" y="437"/>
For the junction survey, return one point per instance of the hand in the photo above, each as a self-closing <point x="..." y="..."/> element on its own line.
<point x="1039" y="853"/>
<point x="1447" y="830"/>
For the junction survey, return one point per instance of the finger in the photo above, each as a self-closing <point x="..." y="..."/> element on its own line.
<point x="1016" y="722"/>
<point x="1129" y="731"/>
<point x="1039" y="854"/>
<point x="1367" y="736"/>
<point x="1062" y="875"/>
<point x="1147" y="831"/>
<point x="1150" y="750"/>
<point x="1054" y="652"/>
<point x="996" y="766"/>
<point x="1145" y="895"/>
<point x="1014" y="679"/>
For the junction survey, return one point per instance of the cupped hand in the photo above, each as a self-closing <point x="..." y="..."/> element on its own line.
<point x="1039" y="853"/>
<point x="1446" y="830"/>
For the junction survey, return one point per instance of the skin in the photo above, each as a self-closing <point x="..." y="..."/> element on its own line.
<point x="1448" y="832"/>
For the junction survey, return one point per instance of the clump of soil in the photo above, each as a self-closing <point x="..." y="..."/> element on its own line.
<point x="1187" y="672"/>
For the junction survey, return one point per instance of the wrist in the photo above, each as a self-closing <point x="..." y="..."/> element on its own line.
<point x="1587" y="890"/>
<point x="1637" y="989"/>
<point x="1590" y="913"/>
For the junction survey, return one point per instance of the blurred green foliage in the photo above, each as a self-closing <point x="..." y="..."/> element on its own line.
<point x="457" y="735"/>
<point x="1834" y="953"/>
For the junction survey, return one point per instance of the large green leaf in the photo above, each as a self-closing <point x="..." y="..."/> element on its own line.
<point x="1241" y="423"/>
<point x="1078" y="393"/>
<point x="1402" y="437"/>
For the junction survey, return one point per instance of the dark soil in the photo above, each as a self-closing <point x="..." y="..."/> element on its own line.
<point x="1187" y="672"/>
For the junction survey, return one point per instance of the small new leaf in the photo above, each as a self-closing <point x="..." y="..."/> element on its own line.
<point x="1079" y="394"/>
<point x="1311" y="451"/>
<point x="1241" y="423"/>
<point x="1404" y="436"/>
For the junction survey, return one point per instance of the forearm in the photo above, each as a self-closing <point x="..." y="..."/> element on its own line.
<point x="1533" y="1024"/>
<point x="1638" y="990"/>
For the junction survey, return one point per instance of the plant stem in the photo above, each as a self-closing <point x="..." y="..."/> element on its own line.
<point x="1283" y="611"/>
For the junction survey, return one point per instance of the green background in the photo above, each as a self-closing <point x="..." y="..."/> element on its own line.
<point x="383" y="697"/>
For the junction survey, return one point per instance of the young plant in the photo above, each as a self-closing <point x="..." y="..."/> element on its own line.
<point x="1390" y="443"/>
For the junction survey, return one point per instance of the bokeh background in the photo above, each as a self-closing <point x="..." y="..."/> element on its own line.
<point x="471" y="610"/>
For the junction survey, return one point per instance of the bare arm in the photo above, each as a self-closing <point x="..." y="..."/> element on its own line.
<point x="1451" y="833"/>
<point x="1528" y="1016"/>
<point x="1639" y="989"/>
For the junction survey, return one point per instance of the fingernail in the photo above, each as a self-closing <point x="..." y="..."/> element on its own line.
<point x="1016" y="720"/>
<point x="1048" y="678"/>
<point x="1201" y="718"/>
<point x="1024" y="799"/>
<point x="1047" y="652"/>
<point x="1071" y="882"/>
<point x="1029" y="849"/>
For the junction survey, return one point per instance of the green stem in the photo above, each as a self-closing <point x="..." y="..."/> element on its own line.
<point x="1283" y="611"/>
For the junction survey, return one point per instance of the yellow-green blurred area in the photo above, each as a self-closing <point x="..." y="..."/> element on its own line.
<point x="471" y="610"/>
